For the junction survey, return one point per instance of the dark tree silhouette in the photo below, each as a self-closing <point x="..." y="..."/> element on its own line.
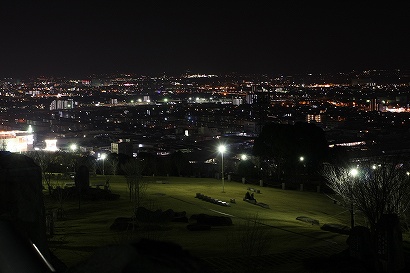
<point x="136" y="185"/>
<point x="284" y="144"/>
<point x="82" y="178"/>
<point x="246" y="168"/>
<point x="88" y="161"/>
<point x="44" y="159"/>
<point x="113" y="163"/>
<point x="82" y="181"/>
<point x="180" y="161"/>
<point x="150" y="162"/>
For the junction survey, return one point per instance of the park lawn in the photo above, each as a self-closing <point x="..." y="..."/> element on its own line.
<point x="84" y="230"/>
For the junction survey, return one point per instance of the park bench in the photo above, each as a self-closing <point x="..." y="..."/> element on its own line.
<point x="254" y="190"/>
<point x="212" y="200"/>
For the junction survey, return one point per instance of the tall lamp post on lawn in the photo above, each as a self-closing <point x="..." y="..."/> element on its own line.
<point x="73" y="147"/>
<point x="302" y="169"/>
<point x="222" y="149"/>
<point x="103" y="156"/>
<point x="353" y="173"/>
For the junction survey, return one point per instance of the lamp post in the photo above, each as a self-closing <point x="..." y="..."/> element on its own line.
<point x="353" y="173"/>
<point x="103" y="156"/>
<point x="244" y="157"/>
<point x="73" y="147"/>
<point x="302" y="162"/>
<point x="222" y="149"/>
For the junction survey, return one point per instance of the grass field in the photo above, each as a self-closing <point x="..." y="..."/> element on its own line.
<point x="83" y="230"/>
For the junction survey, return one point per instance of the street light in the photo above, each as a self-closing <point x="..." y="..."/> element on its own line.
<point x="103" y="156"/>
<point x="353" y="173"/>
<point x="73" y="147"/>
<point x="222" y="149"/>
<point x="244" y="157"/>
<point x="301" y="170"/>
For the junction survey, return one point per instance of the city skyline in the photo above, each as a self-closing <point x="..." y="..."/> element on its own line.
<point x="71" y="38"/>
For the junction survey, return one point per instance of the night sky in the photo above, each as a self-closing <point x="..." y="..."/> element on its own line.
<point x="73" y="38"/>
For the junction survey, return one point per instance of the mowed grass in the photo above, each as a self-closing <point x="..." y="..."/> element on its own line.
<point x="87" y="228"/>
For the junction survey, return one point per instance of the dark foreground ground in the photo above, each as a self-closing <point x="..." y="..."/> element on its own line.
<point x="314" y="260"/>
<point x="154" y="256"/>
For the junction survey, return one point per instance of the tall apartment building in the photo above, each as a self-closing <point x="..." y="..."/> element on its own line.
<point x="62" y="104"/>
<point x="123" y="146"/>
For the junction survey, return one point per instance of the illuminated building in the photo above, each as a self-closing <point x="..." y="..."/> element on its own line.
<point x="62" y="104"/>
<point x="16" y="141"/>
<point x="313" y="118"/>
<point x="51" y="145"/>
<point x="123" y="146"/>
<point x="373" y="105"/>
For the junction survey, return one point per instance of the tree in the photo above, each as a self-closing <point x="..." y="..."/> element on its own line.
<point x="284" y="144"/>
<point x="82" y="182"/>
<point x="82" y="178"/>
<point x="3" y="145"/>
<point x="88" y="161"/>
<point x="380" y="187"/>
<point x="44" y="159"/>
<point x="251" y="237"/>
<point x="113" y="162"/>
<point x="247" y="168"/>
<point x="150" y="163"/>
<point x="180" y="161"/>
<point x="136" y="185"/>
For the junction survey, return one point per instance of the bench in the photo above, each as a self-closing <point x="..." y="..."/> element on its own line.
<point x="254" y="190"/>
<point x="308" y="220"/>
<point x="212" y="200"/>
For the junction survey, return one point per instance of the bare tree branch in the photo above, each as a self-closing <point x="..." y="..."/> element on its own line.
<point x="136" y="185"/>
<point x="381" y="187"/>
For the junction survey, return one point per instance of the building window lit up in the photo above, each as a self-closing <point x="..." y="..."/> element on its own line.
<point x="313" y="118"/>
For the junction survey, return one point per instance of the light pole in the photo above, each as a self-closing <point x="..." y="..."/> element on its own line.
<point x="103" y="156"/>
<point x="222" y="149"/>
<point x="353" y="172"/>
<point x="301" y="170"/>
<point x="73" y="147"/>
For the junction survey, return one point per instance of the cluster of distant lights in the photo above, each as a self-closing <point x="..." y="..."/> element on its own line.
<point x="397" y="110"/>
<point x="201" y="76"/>
<point x="355" y="170"/>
